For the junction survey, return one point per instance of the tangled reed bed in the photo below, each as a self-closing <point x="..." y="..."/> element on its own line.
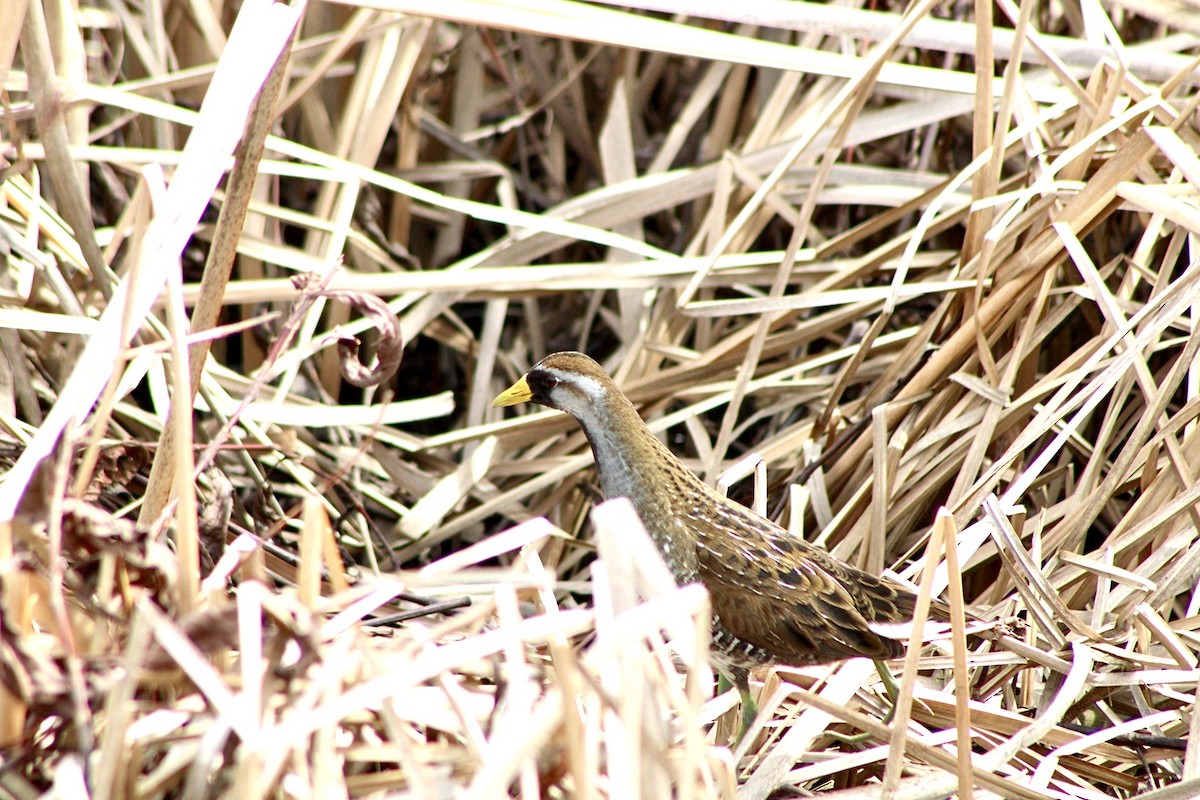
<point x="927" y="275"/>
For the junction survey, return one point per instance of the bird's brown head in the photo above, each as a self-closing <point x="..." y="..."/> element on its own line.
<point x="568" y="381"/>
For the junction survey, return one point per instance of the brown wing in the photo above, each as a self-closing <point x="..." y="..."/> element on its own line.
<point x="795" y="601"/>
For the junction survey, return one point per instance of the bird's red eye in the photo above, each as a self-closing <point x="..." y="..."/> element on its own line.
<point x="551" y="382"/>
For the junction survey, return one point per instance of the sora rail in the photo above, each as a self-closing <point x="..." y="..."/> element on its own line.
<point x="775" y="598"/>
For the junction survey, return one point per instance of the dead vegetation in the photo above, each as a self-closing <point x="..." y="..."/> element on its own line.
<point x="885" y="261"/>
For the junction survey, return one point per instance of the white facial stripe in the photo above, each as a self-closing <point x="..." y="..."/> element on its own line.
<point x="581" y="396"/>
<point x="582" y="384"/>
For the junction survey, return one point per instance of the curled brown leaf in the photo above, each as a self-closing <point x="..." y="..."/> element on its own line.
<point x="389" y="347"/>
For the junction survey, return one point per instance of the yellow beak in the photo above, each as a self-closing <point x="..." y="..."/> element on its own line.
<point x="519" y="392"/>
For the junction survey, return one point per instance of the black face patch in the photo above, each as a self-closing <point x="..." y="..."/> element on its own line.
<point x="541" y="383"/>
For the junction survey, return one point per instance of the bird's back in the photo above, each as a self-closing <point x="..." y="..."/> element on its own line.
<point x="775" y="597"/>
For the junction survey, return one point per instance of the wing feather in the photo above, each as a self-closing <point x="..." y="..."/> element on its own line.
<point x="804" y="606"/>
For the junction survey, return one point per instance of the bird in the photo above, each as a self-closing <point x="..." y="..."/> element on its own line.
<point x="775" y="598"/>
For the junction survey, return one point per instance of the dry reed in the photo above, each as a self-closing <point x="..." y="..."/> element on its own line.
<point x="928" y="274"/>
